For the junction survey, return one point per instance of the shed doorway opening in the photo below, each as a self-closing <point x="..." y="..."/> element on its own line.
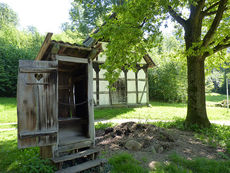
<point x="72" y="102"/>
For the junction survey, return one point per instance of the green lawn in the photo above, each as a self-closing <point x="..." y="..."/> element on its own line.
<point x="27" y="160"/>
<point x="8" y="110"/>
<point x="212" y="98"/>
<point x="158" y="111"/>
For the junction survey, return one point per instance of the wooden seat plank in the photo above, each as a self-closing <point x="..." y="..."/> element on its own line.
<point x="76" y="155"/>
<point x="83" y="166"/>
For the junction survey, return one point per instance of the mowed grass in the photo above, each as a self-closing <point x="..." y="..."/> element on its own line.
<point x="8" y="110"/>
<point x="158" y="110"/>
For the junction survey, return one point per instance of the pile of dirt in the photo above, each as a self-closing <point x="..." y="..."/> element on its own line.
<point x="149" y="143"/>
<point x="145" y="137"/>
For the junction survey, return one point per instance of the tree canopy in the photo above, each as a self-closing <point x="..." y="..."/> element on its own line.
<point x="88" y="14"/>
<point x="7" y="15"/>
<point x="135" y="30"/>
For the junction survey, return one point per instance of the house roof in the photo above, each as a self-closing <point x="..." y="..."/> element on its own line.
<point x="52" y="47"/>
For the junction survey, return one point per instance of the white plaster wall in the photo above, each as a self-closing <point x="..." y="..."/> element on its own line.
<point x="95" y="98"/>
<point x="131" y="98"/>
<point x="131" y="75"/>
<point x="101" y="73"/>
<point x="104" y="99"/>
<point x="141" y="85"/>
<point x="94" y="74"/>
<point x="122" y="75"/>
<point x="144" y="98"/>
<point x="141" y="74"/>
<point x="94" y="85"/>
<point x="103" y="86"/>
<point x="131" y="85"/>
<point x="102" y="57"/>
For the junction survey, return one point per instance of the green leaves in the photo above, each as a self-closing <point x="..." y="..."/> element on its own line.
<point x="15" y="45"/>
<point x="7" y="15"/>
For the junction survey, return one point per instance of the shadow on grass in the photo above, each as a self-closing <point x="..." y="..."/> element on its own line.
<point x="8" y="101"/>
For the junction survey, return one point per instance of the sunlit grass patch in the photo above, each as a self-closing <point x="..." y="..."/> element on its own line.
<point x="8" y="126"/>
<point x="8" y="110"/>
<point x="158" y="111"/>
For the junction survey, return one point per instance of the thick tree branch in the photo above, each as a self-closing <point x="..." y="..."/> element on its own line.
<point x="211" y="7"/>
<point x="196" y="10"/>
<point x="219" y="47"/>
<point x="210" y="13"/>
<point x="176" y="16"/>
<point x="208" y="37"/>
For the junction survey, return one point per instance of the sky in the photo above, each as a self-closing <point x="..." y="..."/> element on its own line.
<point x="45" y="15"/>
<point x="48" y="15"/>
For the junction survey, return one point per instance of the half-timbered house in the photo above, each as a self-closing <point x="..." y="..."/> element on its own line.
<point x="132" y="88"/>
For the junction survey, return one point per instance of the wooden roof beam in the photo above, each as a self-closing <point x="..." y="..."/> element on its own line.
<point x="44" y="47"/>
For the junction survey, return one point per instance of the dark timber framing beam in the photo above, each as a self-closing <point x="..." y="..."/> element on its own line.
<point x="126" y="86"/>
<point x="136" y="77"/>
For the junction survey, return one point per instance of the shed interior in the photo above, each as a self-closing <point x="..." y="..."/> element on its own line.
<point x="73" y="113"/>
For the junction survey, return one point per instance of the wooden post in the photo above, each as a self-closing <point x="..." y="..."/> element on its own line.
<point x="90" y="102"/>
<point x="97" y="70"/>
<point x="97" y="84"/>
<point x="147" y="85"/>
<point x="136" y="79"/>
<point x="126" y="87"/>
<point x="46" y="152"/>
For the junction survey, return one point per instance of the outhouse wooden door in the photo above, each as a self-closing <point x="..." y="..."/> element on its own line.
<point x="37" y="108"/>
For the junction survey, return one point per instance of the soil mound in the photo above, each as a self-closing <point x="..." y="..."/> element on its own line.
<point x="149" y="137"/>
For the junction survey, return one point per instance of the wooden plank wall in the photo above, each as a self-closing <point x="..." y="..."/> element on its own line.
<point x="37" y="103"/>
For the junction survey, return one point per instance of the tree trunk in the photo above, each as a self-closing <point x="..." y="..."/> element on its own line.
<point x="196" y="110"/>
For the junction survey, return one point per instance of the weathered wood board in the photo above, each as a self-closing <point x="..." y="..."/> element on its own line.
<point x="37" y="103"/>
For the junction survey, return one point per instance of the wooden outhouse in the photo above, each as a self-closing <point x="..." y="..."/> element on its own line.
<point x="55" y="103"/>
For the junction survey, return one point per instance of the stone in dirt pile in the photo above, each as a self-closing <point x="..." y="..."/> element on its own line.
<point x="135" y="137"/>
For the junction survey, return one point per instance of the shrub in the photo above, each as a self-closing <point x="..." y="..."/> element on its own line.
<point x="168" y="82"/>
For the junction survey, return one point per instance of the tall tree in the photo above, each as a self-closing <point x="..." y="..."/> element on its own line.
<point x="205" y="25"/>
<point x="88" y="14"/>
<point x="7" y="15"/>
